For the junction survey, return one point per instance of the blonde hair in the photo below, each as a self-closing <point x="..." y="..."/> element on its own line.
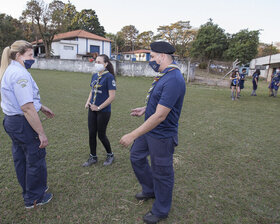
<point x="9" y="53"/>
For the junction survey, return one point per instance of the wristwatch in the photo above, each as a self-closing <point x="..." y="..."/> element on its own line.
<point x="98" y="108"/>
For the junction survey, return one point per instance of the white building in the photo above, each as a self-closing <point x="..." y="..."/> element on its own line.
<point x="75" y="45"/>
<point x="267" y="65"/>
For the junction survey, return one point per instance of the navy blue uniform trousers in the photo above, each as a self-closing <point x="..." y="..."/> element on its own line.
<point x="29" y="159"/>
<point x="157" y="179"/>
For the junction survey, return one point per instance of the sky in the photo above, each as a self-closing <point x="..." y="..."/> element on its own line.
<point x="148" y="15"/>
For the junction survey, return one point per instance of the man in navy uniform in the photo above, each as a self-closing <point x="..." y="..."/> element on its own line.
<point x="158" y="135"/>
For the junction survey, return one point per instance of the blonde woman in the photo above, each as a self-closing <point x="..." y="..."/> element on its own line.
<point x="20" y="102"/>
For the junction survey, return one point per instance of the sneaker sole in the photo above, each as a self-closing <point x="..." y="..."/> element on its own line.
<point x="39" y="204"/>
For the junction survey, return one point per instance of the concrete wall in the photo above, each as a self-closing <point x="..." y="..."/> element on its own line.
<point x="64" y="65"/>
<point x="126" y="68"/>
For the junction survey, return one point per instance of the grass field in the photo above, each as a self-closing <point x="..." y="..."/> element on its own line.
<point x="226" y="165"/>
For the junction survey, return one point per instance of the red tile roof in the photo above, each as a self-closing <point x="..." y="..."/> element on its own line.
<point x="136" y="51"/>
<point x="76" y="33"/>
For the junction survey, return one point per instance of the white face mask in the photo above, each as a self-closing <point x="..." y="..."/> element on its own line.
<point x="99" y="67"/>
<point x="277" y="70"/>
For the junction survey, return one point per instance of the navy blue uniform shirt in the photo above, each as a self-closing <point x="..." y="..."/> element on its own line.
<point x="255" y="76"/>
<point x="106" y="83"/>
<point x="169" y="91"/>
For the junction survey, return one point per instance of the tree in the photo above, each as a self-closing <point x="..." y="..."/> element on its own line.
<point x="180" y="35"/>
<point x="42" y="15"/>
<point x="129" y="34"/>
<point x="30" y="31"/>
<point x="210" y="42"/>
<point x="10" y="31"/>
<point x="87" y="20"/>
<point x="69" y="13"/>
<point x="117" y="42"/>
<point x="243" y="46"/>
<point x="144" y="40"/>
<point x="266" y="49"/>
<point x="56" y="11"/>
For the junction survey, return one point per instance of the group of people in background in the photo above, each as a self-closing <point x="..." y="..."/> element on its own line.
<point x="157" y="137"/>
<point x="237" y="82"/>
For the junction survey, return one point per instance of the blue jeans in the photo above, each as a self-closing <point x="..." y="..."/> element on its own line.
<point x="157" y="179"/>
<point x="29" y="159"/>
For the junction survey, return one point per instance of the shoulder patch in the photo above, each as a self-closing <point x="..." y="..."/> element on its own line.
<point x="22" y="81"/>
<point x="113" y="83"/>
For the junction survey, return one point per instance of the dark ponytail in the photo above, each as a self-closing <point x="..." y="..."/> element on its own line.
<point x="109" y="66"/>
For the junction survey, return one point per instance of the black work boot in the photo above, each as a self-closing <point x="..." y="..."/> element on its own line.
<point x="150" y="218"/>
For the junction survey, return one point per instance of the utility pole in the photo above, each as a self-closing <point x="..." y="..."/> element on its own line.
<point x="269" y="60"/>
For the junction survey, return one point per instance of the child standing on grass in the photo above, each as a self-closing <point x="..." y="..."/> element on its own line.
<point x="234" y="84"/>
<point x="242" y="80"/>
<point x="275" y="83"/>
<point x="255" y="81"/>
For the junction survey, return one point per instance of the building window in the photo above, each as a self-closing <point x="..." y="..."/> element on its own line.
<point x="70" y="48"/>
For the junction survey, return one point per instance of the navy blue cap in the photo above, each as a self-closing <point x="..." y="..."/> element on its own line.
<point x="162" y="47"/>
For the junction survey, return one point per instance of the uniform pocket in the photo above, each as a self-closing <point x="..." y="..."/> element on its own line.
<point x="159" y="161"/>
<point x="13" y="125"/>
<point x="35" y="159"/>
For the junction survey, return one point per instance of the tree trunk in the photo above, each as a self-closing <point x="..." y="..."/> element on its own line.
<point x="208" y="67"/>
<point x="47" y="49"/>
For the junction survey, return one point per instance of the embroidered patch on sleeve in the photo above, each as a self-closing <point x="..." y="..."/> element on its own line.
<point x="113" y="83"/>
<point x="22" y="82"/>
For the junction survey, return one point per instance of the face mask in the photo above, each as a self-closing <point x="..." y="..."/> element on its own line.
<point x="28" y="63"/>
<point x="277" y="70"/>
<point x="99" y="67"/>
<point x="155" y="66"/>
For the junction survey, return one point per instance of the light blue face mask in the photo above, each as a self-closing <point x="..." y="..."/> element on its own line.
<point x="155" y="66"/>
<point x="28" y="63"/>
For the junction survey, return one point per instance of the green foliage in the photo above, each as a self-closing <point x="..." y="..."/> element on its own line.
<point x="144" y="40"/>
<point x="180" y="35"/>
<point x="87" y="20"/>
<point x="10" y="31"/>
<point x="202" y="65"/>
<point x="243" y="46"/>
<point x="129" y="35"/>
<point x="210" y="42"/>
<point x="46" y="18"/>
<point x="69" y="13"/>
<point x="267" y="49"/>
<point x="117" y="42"/>
<point x="56" y="11"/>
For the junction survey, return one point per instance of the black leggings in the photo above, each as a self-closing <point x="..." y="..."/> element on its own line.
<point x="97" y="123"/>
<point x="255" y="86"/>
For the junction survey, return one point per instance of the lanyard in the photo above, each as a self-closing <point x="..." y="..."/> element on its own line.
<point x="169" y="68"/>
<point x="95" y="87"/>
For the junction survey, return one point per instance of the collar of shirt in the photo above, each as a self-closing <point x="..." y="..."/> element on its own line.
<point x="16" y="63"/>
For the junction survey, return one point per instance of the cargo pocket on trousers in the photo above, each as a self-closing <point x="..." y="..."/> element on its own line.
<point x="36" y="160"/>
<point x="163" y="166"/>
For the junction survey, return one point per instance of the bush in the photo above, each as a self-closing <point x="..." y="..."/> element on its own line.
<point x="202" y="65"/>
